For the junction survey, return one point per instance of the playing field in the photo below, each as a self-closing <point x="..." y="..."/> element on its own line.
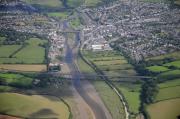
<point x="168" y="109"/>
<point x="33" y="106"/>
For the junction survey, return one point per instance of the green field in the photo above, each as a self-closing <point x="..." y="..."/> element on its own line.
<point x="61" y="15"/>
<point x="169" y="90"/>
<point x="7" y="50"/>
<point x="2" y="39"/>
<point x="84" y="68"/>
<point x="168" y="109"/>
<point x="175" y="64"/>
<point x="5" y="88"/>
<point x="169" y="75"/>
<point x="75" y="23"/>
<point x="92" y="2"/>
<point x="168" y="93"/>
<point x="157" y="69"/>
<point x="32" y="53"/>
<point x="16" y="80"/>
<point x="33" y="106"/>
<point x="170" y="83"/>
<point x="131" y="93"/>
<point x="110" y="99"/>
<point x="47" y="3"/>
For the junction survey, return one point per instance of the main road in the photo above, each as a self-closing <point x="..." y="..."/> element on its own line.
<point x="89" y="103"/>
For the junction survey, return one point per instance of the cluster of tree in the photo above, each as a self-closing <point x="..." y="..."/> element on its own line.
<point x="19" y="38"/>
<point x="14" y="37"/>
<point x="149" y="91"/>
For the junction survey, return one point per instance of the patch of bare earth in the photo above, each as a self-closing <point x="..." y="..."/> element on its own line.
<point x="8" y="117"/>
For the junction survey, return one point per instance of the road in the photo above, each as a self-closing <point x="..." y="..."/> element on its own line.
<point x="88" y="101"/>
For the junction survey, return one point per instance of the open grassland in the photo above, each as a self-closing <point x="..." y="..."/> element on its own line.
<point x="157" y="69"/>
<point x="23" y="67"/>
<point x="16" y="80"/>
<point x="34" y="106"/>
<point x="168" y="109"/>
<point x="32" y="53"/>
<point x="131" y="93"/>
<point x="47" y="3"/>
<point x="110" y="99"/>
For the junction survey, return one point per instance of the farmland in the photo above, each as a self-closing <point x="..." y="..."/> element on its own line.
<point x="61" y="15"/>
<point x="174" y="64"/>
<point x="131" y="93"/>
<point x="112" y="63"/>
<point x="37" y="107"/>
<point x="166" y="69"/>
<point x="32" y="53"/>
<point x="157" y="68"/>
<point x="47" y="3"/>
<point x="168" y="109"/>
<point x="23" y="67"/>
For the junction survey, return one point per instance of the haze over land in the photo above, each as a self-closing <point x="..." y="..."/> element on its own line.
<point x="90" y="59"/>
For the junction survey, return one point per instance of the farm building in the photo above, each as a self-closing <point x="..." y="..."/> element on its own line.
<point x="101" y="47"/>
